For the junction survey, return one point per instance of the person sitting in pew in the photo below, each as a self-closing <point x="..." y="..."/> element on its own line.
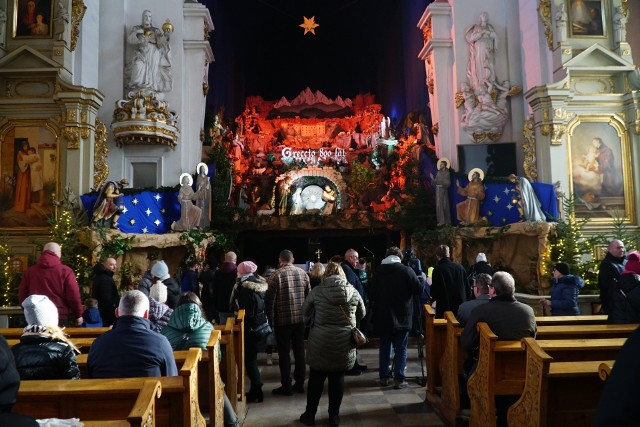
<point x="44" y="352"/>
<point x="159" y="312"/>
<point x="187" y="326"/>
<point x="509" y="319"/>
<point x="131" y="348"/>
<point x="480" y="287"/>
<point x="9" y="385"/>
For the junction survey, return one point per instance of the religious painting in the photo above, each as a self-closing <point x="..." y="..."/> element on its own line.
<point x="29" y="177"/>
<point x="587" y="18"/>
<point x="32" y="18"/>
<point x="600" y="168"/>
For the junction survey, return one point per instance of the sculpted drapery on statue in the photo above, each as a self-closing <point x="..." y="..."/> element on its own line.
<point x="150" y="67"/>
<point x="482" y="45"/>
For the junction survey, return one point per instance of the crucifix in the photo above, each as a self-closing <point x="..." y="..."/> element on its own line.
<point x="319" y="252"/>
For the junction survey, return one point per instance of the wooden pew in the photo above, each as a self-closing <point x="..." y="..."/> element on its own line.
<point x="435" y="333"/>
<point x="604" y="370"/>
<point x="228" y="367"/>
<point x="16" y="333"/>
<point x="593" y="319"/>
<point x="563" y="394"/>
<point x="502" y="366"/>
<point x="109" y="399"/>
<point x="83" y="344"/>
<point x="238" y="353"/>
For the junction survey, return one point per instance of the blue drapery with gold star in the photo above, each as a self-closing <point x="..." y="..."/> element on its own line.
<point x="148" y="212"/>
<point x="498" y="205"/>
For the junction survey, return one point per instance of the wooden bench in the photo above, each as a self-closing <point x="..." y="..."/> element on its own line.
<point x="109" y="399"/>
<point x="83" y="344"/>
<point x="502" y="366"/>
<point x="593" y="319"/>
<point x="435" y="334"/>
<point x="16" y="333"/>
<point x="563" y="394"/>
<point x="604" y="370"/>
<point x="238" y="354"/>
<point x="228" y="365"/>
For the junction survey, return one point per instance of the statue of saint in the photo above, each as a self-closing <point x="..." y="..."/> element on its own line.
<point x="468" y="211"/>
<point x="60" y="22"/>
<point x="203" y="193"/>
<point x="620" y="25"/>
<point x="106" y="210"/>
<point x="442" y="182"/>
<point x="529" y="206"/>
<point x="297" y="207"/>
<point x="482" y="46"/>
<point x="561" y="23"/>
<point x="189" y="213"/>
<point x="150" y="68"/>
<point x="329" y="197"/>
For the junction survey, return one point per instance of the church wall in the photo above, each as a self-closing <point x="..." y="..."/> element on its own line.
<point x="86" y="64"/>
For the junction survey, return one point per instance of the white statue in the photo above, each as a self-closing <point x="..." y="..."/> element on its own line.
<point x="482" y="45"/>
<point x="620" y="25"/>
<point x="150" y="68"/>
<point x="3" y="27"/>
<point x="297" y="207"/>
<point x="60" y="22"/>
<point x="203" y="195"/>
<point x="561" y="23"/>
<point x="189" y="213"/>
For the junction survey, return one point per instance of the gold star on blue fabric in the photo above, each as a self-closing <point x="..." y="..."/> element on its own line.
<point x="309" y="25"/>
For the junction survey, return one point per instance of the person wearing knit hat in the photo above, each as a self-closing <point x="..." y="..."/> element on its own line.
<point x="159" y="312"/>
<point x="246" y="267"/>
<point x="565" y="288"/>
<point x="158" y="292"/>
<point x="160" y="271"/>
<point x="44" y="352"/>
<point x="624" y="303"/>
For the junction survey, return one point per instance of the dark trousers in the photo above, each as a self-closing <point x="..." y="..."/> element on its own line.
<point x="251" y="359"/>
<point x="316" y="385"/>
<point x="291" y="337"/>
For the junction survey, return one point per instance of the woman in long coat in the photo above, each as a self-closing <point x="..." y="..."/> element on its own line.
<point x="330" y="350"/>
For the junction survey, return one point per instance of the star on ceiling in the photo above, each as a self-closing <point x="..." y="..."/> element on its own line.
<point x="309" y="25"/>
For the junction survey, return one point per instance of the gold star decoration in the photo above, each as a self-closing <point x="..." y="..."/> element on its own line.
<point x="309" y="25"/>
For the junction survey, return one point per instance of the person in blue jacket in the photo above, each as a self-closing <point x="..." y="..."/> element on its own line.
<point x="565" y="288"/>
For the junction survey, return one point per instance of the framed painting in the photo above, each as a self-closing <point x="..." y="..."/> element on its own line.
<point x="587" y="18"/>
<point x="29" y="170"/>
<point x="600" y="168"/>
<point x="32" y="18"/>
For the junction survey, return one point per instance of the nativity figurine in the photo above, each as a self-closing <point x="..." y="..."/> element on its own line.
<point x="468" y="211"/>
<point x="442" y="182"/>
<point x="529" y="206"/>
<point x="189" y="213"/>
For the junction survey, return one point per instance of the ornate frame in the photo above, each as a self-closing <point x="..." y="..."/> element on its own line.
<point x="599" y="204"/>
<point x="42" y="7"/>
<point x="586" y="6"/>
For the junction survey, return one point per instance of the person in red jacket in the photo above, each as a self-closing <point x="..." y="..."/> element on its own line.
<point x="48" y="276"/>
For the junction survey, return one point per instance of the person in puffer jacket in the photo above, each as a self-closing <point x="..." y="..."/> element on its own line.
<point x="159" y="312"/>
<point x="187" y="326"/>
<point x="330" y="351"/>
<point x="44" y="353"/>
<point x="564" y="292"/>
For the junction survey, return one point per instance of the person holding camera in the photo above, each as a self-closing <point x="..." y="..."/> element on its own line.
<point x="393" y="289"/>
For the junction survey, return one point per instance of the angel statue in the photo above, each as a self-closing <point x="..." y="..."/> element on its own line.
<point x="106" y="210"/>
<point x="189" y="213"/>
<point x="468" y="210"/>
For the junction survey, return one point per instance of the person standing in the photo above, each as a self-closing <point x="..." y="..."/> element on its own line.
<point x="609" y="272"/>
<point x="105" y="290"/>
<point x="349" y="266"/>
<point x="288" y="286"/>
<point x="147" y="279"/>
<point x="337" y="307"/>
<point x="481" y="292"/>
<point x="216" y="292"/>
<point x="481" y="266"/>
<point x="624" y="301"/>
<point x="189" y="280"/>
<point x="160" y="272"/>
<point x="55" y="280"/>
<point x="393" y="289"/>
<point x="449" y="283"/>
<point x="565" y="288"/>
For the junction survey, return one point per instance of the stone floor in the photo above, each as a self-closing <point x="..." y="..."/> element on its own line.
<point x="365" y="403"/>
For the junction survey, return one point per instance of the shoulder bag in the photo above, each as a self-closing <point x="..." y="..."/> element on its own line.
<point x="357" y="337"/>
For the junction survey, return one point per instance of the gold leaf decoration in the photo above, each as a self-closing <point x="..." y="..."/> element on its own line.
<point x="544" y="10"/>
<point x="100" y="153"/>
<point x="77" y="14"/>
<point x="529" y="148"/>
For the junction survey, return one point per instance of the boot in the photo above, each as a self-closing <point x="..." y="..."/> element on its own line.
<point x="255" y="395"/>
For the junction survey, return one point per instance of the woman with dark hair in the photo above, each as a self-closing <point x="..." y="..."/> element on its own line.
<point x="187" y="326"/>
<point x="565" y="288"/>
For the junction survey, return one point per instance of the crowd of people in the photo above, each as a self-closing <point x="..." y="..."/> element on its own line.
<point x="286" y="306"/>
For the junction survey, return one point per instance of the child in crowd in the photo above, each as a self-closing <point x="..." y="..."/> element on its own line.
<point x="91" y="316"/>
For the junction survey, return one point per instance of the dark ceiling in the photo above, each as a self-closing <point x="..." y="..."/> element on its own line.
<point x="360" y="46"/>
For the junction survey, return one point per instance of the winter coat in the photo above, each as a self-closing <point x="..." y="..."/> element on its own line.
<point x="9" y="377"/>
<point x="288" y="288"/>
<point x="449" y="286"/>
<point x="173" y="292"/>
<point x="248" y="295"/>
<point x="564" y="295"/>
<point x="330" y="347"/>
<point x="608" y="277"/>
<point x="624" y="302"/>
<point x="105" y="291"/>
<point x="159" y="315"/>
<point x="187" y="328"/>
<point x="353" y="277"/>
<point x="91" y="318"/>
<point x="131" y="349"/>
<point x="146" y="282"/>
<point x="189" y="282"/>
<point x="41" y="357"/>
<point x="393" y="289"/>
<point x="50" y="277"/>
<point x="480" y="267"/>
<point x="217" y="288"/>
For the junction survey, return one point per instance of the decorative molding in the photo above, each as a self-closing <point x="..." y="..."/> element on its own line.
<point x="72" y="135"/>
<point x="557" y="132"/>
<point x="566" y="51"/>
<point x="625" y="8"/>
<point x="545" y="129"/>
<point x="435" y="129"/>
<point x="100" y="153"/>
<point x="205" y="88"/>
<point x="459" y="99"/>
<point x="544" y="11"/>
<point x="530" y="164"/>
<point x="427" y="31"/>
<point x="85" y="132"/>
<point x="77" y="14"/>
<point x="430" y="85"/>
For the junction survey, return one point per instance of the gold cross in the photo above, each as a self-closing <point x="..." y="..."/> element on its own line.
<point x="319" y="252"/>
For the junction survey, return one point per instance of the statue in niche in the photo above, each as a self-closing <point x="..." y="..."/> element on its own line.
<point x="529" y="206"/>
<point x="203" y="193"/>
<point x="60" y="22"/>
<point x="468" y="211"/>
<point x="561" y="22"/>
<point x="620" y="25"/>
<point x="283" y="190"/>
<point x="189" y="213"/>
<point x="442" y="182"/>
<point x="297" y="207"/>
<point x="482" y="45"/>
<point x="329" y="197"/>
<point x="150" y="68"/>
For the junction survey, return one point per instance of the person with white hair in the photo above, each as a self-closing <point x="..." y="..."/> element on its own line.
<point x="131" y="348"/>
<point x="50" y="277"/>
<point x="481" y="266"/>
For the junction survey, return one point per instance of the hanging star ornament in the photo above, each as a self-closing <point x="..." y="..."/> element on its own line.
<point x="309" y="25"/>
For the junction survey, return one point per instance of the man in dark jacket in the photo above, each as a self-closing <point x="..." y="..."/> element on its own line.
<point x="55" y="280"/>
<point x="351" y="258"/>
<point x="105" y="290"/>
<point x="449" y="283"/>
<point x="9" y="385"/>
<point x="160" y="272"/>
<point x="216" y="292"/>
<point x="609" y="272"/>
<point x="481" y="266"/>
<point x="393" y="288"/>
<point x="131" y="348"/>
